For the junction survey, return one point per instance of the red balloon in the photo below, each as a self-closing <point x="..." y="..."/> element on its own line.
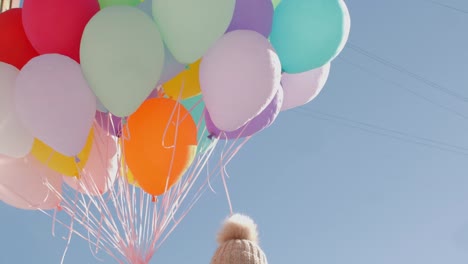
<point x="56" y="26"/>
<point x="15" y="48"/>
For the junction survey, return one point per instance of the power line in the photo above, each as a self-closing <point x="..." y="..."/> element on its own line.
<point x="396" y="84"/>
<point x="407" y="72"/>
<point x="447" y="6"/>
<point x="390" y="133"/>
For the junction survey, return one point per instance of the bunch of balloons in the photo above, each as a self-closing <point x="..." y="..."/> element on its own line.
<point x="90" y="88"/>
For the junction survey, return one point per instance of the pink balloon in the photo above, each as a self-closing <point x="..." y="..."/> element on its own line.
<point x="56" y="26"/>
<point x="54" y="101"/>
<point x="24" y="184"/>
<point x="239" y="76"/>
<point x="101" y="170"/>
<point x="301" y="88"/>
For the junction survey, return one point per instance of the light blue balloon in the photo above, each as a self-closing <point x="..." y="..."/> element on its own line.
<point x="147" y="7"/>
<point x="171" y="66"/>
<point x="308" y="34"/>
<point x="204" y="143"/>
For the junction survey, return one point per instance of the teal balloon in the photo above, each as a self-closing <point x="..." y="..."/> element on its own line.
<point x="308" y="34"/>
<point x="196" y="106"/>
<point x="122" y="58"/>
<point x="190" y="27"/>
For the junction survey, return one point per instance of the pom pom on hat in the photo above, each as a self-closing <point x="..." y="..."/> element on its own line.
<point x="238" y="227"/>
<point x="238" y="242"/>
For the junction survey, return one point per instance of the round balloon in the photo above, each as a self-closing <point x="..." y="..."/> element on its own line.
<point x="256" y="15"/>
<point x="66" y="165"/>
<point x="204" y="21"/>
<point x="122" y="57"/>
<point x="56" y="26"/>
<point x="100" y="171"/>
<point x="308" y="34"/>
<point x="24" y="184"/>
<point x="301" y="88"/>
<point x="185" y="85"/>
<point x="15" y="48"/>
<point x="171" y="67"/>
<point x="160" y="143"/>
<point x="55" y="103"/>
<point x="239" y="76"/>
<point x="15" y="140"/>
<point x="260" y="122"/>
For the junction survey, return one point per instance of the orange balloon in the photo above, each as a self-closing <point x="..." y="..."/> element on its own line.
<point x="160" y="143"/>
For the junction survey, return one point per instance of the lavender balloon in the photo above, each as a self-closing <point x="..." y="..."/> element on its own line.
<point x="110" y="123"/>
<point x="255" y="15"/>
<point x="260" y="122"/>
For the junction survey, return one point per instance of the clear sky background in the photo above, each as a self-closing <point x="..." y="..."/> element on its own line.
<point x="374" y="171"/>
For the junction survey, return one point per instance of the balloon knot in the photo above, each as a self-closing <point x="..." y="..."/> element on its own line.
<point x="77" y="159"/>
<point x="187" y="67"/>
<point x="154" y="199"/>
<point x="59" y="208"/>
<point x="124" y="121"/>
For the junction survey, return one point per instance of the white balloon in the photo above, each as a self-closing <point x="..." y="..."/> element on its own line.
<point x="301" y="88"/>
<point x="15" y="140"/>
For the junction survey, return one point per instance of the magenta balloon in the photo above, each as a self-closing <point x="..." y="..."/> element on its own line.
<point x="255" y="15"/>
<point x="110" y="123"/>
<point x="56" y="26"/>
<point x="260" y="122"/>
<point x="24" y="184"/>
<point x="101" y="170"/>
<point x="54" y="101"/>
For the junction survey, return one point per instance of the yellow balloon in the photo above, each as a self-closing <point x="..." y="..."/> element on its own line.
<point x="131" y="179"/>
<point x="66" y="165"/>
<point x="184" y="85"/>
<point x="124" y="171"/>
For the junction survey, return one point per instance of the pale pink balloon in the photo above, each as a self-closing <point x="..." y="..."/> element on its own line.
<point x="55" y="103"/>
<point x="301" y="88"/>
<point x="239" y="76"/>
<point x="101" y="170"/>
<point x="26" y="183"/>
<point x="15" y="140"/>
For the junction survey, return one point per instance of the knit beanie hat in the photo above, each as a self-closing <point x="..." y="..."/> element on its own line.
<point x="238" y="242"/>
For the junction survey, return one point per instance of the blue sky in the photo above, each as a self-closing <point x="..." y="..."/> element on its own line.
<point x="372" y="171"/>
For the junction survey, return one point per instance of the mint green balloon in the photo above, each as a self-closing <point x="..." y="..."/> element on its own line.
<point x="196" y="102"/>
<point x="106" y="3"/>
<point x="122" y="57"/>
<point x="308" y="34"/>
<point x="190" y="27"/>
